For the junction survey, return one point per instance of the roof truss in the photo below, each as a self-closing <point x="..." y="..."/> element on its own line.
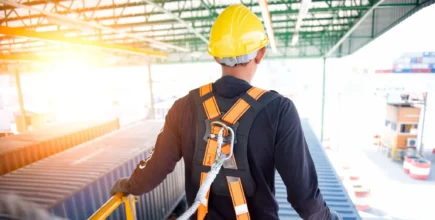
<point x="185" y="24"/>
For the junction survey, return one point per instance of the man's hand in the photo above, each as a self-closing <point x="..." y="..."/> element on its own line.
<point x="121" y="186"/>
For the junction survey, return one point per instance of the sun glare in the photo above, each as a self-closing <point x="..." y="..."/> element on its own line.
<point x="79" y="94"/>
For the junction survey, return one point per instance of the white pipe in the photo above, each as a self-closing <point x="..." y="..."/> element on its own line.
<point x="349" y="32"/>
<point x="268" y="23"/>
<point x="303" y="10"/>
<point x="85" y="25"/>
<point x="202" y="193"/>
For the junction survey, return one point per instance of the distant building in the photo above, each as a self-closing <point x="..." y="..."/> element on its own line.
<point x="401" y="124"/>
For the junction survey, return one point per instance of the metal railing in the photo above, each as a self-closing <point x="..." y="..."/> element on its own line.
<point x="113" y="203"/>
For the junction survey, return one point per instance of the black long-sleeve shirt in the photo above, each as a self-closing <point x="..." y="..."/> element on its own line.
<point x="276" y="140"/>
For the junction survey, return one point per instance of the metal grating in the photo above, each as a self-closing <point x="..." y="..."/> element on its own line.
<point x="330" y="185"/>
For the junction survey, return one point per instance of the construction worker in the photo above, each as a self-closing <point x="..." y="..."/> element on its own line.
<point x="266" y="129"/>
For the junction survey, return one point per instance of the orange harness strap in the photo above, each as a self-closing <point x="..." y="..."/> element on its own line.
<point x="241" y="106"/>
<point x="235" y="183"/>
<point x="232" y="116"/>
<point x="212" y="111"/>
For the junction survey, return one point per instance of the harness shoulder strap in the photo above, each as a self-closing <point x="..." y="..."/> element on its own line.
<point x="242" y="105"/>
<point x="208" y="102"/>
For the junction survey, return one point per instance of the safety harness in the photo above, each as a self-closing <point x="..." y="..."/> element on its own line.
<point x="218" y="129"/>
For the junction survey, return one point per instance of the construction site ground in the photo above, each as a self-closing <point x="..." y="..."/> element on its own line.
<point x="393" y="193"/>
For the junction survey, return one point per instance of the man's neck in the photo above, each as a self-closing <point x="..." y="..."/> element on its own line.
<point x="238" y="73"/>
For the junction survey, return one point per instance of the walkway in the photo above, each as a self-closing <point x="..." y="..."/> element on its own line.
<point x="330" y="185"/>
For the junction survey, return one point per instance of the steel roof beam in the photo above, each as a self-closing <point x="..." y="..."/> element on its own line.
<point x="182" y="28"/>
<point x="30" y="3"/>
<point x="303" y="11"/>
<point x="85" y="25"/>
<point x="204" y="32"/>
<point x="209" y="7"/>
<point x="158" y="22"/>
<point x="202" y="8"/>
<point x="305" y="36"/>
<point x="21" y="32"/>
<point x="267" y="21"/>
<point x="169" y="13"/>
<point x="42" y="2"/>
<point x="203" y="47"/>
<point x="22" y="58"/>
<point x="350" y="31"/>
<point x="282" y="45"/>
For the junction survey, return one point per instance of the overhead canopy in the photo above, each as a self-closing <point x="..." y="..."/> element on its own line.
<point x="179" y="29"/>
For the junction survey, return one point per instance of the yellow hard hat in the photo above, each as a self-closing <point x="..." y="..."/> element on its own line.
<point x="237" y="31"/>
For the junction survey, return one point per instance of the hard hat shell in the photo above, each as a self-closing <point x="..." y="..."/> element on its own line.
<point x="237" y="31"/>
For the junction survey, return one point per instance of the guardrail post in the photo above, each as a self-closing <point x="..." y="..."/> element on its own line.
<point x="130" y="207"/>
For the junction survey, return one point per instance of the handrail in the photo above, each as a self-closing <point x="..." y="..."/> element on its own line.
<point x="112" y="204"/>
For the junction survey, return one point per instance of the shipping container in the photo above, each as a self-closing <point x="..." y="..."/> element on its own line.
<point x="421" y="70"/>
<point x="333" y="191"/>
<point x="402" y="70"/>
<point x="404" y="66"/>
<point x="419" y="66"/>
<point x="75" y="183"/>
<point x="429" y="54"/>
<point x="428" y="60"/>
<point x="384" y="71"/>
<point x="23" y="149"/>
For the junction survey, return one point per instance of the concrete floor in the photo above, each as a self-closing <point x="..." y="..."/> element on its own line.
<point x="394" y="194"/>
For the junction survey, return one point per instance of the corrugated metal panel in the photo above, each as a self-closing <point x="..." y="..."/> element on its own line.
<point x="23" y="149"/>
<point x="75" y="183"/>
<point x="330" y="185"/>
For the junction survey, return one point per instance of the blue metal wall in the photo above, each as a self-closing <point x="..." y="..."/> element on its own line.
<point x="330" y="185"/>
<point x="76" y="182"/>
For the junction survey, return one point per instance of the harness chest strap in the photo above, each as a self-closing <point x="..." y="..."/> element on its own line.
<point x="231" y="117"/>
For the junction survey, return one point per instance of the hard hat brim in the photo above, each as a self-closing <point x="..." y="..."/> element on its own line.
<point x="264" y="43"/>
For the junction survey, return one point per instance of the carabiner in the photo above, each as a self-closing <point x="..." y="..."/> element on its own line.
<point x="220" y="140"/>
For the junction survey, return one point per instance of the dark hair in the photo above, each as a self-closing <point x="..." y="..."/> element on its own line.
<point x="238" y="64"/>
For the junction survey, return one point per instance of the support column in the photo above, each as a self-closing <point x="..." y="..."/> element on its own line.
<point x="150" y="83"/>
<point x="420" y="146"/>
<point x="20" y="101"/>
<point x="323" y="99"/>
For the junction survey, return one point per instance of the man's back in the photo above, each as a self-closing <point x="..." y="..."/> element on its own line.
<point x="275" y="140"/>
